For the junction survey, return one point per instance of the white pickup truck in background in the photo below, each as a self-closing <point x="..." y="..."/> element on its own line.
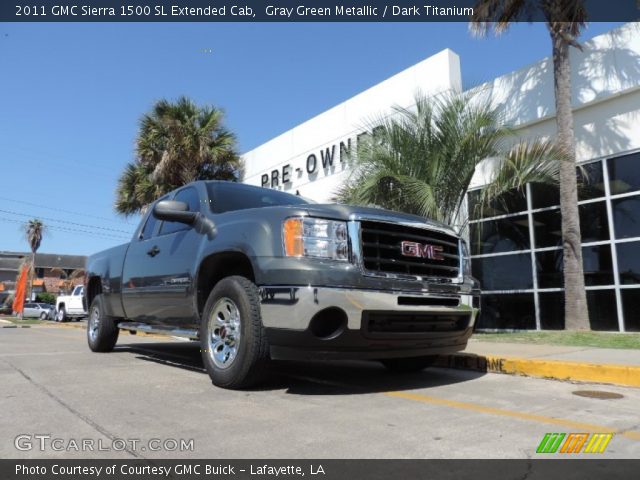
<point x="71" y="306"/>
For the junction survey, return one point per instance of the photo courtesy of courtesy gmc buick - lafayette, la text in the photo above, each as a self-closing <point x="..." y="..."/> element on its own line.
<point x="255" y="274"/>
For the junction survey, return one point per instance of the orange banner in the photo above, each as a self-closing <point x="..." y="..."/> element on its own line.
<point x="21" y="287"/>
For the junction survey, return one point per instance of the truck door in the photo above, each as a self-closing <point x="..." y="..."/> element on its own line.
<point x="136" y="263"/>
<point x="167" y="261"/>
<point x="75" y="306"/>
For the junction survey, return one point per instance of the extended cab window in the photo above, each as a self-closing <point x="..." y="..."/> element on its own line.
<point x="151" y="222"/>
<point x="78" y="290"/>
<point x="190" y="197"/>
<point x="149" y="226"/>
<point x="226" y="197"/>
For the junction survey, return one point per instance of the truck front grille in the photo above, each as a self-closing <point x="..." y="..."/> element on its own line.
<point x="382" y="250"/>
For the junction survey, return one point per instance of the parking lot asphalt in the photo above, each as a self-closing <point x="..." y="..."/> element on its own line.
<point x="151" y="398"/>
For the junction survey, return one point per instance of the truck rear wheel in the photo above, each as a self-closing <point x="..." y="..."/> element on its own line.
<point x="233" y="341"/>
<point x="408" y="365"/>
<point x="102" y="331"/>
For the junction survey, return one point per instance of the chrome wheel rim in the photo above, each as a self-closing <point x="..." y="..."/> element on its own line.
<point x="94" y="323"/>
<point x="224" y="333"/>
<point x="60" y="315"/>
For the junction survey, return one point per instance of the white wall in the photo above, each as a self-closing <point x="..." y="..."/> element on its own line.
<point x="343" y="122"/>
<point x="606" y="97"/>
<point x="606" y="102"/>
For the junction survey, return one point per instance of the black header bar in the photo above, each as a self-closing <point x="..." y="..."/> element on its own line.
<point x="136" y="469"/>
<point x="277" y="11"/>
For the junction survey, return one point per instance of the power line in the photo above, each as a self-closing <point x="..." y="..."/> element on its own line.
<point x="66" y="229"/>
<point x="70" y="230"/>
<point x="88" y="168"/>
<point x="70" y="212"/>
<point x="67" y="222"/>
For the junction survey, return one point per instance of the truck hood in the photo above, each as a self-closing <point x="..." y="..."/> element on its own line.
<point x="348" y="212"/>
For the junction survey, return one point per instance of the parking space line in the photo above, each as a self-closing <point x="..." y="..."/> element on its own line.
<point x="39" y="354"/>
<point x="474" y="407"/>
<point x="42" y="330"/>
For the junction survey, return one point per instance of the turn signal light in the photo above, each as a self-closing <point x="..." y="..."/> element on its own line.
<point x="293" y="244"/>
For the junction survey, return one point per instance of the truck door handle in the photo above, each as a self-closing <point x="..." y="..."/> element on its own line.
<point x="154" y="251"/>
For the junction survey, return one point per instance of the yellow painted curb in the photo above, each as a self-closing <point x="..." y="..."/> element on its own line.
<point x="625" y="375"/>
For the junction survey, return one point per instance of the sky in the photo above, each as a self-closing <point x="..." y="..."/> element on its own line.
<point x="71" y="96"/>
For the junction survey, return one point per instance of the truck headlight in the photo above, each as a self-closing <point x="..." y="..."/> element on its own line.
<point x="315" y="237"/>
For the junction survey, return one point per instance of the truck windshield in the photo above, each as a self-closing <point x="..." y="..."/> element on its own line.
<point x="226" y="197"/>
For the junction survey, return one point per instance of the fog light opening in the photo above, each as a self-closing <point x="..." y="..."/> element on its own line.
<point x="328" y="323"/>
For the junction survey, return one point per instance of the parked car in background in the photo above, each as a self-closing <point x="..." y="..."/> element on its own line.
<point x="43" y="311"/>
<point x="71" y="306"/>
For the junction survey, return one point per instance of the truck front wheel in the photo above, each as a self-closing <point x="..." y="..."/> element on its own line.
<point x="233" y="341"/>
<point x="408" y="365"/>
<point x="102" y="331"/>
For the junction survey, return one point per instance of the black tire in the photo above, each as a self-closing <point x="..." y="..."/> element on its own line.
<point x="43" y="316"/>
<point x="102" y="331"/>
<point x="408" y="365"/>
<point x="234" y="365"/>
<point x="61" y="315"/>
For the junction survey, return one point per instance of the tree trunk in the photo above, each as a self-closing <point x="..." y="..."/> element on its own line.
<point x="576" y="314"/>
<point x="32" y="272"/>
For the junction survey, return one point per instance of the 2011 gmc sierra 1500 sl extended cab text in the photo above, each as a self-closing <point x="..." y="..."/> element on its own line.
<point x="254" y="274"/>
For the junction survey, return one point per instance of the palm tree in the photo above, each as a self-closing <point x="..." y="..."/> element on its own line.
<point x="177" y="142"/>
<point x="421" y="160"/>
<point x="34" y="230"/>
<point x="565" y="21"/>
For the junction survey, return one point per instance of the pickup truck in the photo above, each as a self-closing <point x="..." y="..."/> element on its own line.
<point x="71" y="306"/>
<point x="255" y="274"/>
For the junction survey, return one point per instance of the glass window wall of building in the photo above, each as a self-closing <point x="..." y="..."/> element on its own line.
<point x="516" y="248"/>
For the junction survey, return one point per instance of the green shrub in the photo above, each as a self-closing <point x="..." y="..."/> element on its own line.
<point x="46" y="297"/>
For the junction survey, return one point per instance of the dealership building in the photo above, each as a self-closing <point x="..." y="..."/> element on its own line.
<point x="516" y="250"/>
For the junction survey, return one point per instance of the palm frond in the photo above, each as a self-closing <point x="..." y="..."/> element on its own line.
<point x="536" y="161"/>
<point x="422" y="159"/>
<point x="565" y="18"/>
<point x="498" y="15"/>
<point x="34" y="230"/>
<point x="177" y="142"/>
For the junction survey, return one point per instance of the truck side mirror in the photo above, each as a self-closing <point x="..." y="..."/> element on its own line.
<point x="174" y="211"/>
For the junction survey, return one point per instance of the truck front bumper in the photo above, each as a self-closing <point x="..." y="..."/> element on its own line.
<point x="321" y="322"/>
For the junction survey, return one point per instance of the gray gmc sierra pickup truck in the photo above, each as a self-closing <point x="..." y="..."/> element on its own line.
<point x="254" y="274"/>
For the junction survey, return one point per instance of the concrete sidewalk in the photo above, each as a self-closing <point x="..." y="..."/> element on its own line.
<point x="582" y="364"/>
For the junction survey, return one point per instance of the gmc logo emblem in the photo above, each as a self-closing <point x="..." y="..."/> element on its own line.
<point x="422" y="250"/>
